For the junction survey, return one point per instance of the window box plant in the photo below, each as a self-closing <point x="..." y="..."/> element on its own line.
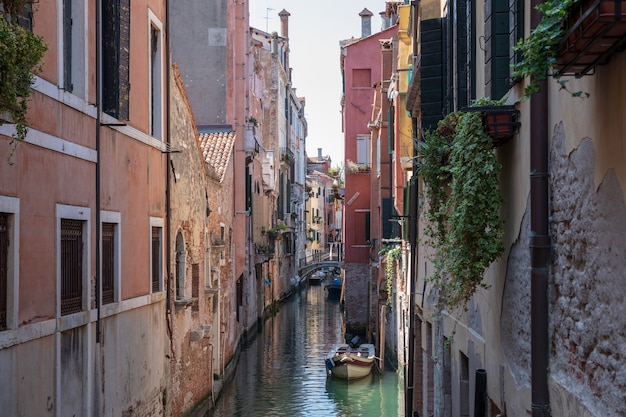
<point x="593" y="30"/>
<point x="572" y="38"/>
<point x="463" y="199"/>
<point x="500" y="122"/>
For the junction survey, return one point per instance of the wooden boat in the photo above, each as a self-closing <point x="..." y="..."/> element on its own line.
<point x="346" y="362"/>
<point x="317" y="277"/>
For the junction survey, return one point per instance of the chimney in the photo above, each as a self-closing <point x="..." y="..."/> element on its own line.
<point x="319" y="154"/>
<point x="386" y="20"/>
<point x="284" y="23"/>
<point x="274" y="43"/>
<point x="284" y="33"/>
<point x="366" y="23"/>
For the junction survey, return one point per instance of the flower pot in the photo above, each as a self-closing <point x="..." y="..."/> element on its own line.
<point x="500" y="122"/>
<point x="594" y="30"/>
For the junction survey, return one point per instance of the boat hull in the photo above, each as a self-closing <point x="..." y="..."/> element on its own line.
<point x="349" y="363"/>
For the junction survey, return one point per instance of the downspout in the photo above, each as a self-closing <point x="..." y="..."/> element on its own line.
<point x="99" y="384"/>
<point x="168" y="161"/>
<point x="412" y="281"/>
<point x="98" y="180"/>
<point x="540" y="243"/>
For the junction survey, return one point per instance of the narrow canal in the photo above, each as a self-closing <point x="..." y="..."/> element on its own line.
<point x="282" y="372"/>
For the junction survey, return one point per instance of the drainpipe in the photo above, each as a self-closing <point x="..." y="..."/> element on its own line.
<point x="98" y="122"/>
<point x="168" y="203"/>
<point x="413" y="235"/>
<point x="412" y="281"/>
<point x="540" y="243"/>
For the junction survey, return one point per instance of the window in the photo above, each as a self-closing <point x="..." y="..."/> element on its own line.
<point x="71" y="266"/>
<point x="9" y="243"/>
<point x="464" y="385"/>
<point x="110" y="257"/>
<point x="116" y="58"/>
<point x="4" y="273"/>
<point x="25" y="18"/>
<point x="195" y="286"/>
<point x="74" y="47"/>
<point x="362" y="77"/>
<point x="363" y="150"/>
<point x="181" y="256"/>
<point x="503" y="27"/>
<point x="362" y="234"/>
<point x="230" y="243"/>
<point x="432" y="71"/>
<point x="73" y="258"/>
<point x="156" y="79"/>
<point x="108" y="263"/>
<point x="156" y="254"/>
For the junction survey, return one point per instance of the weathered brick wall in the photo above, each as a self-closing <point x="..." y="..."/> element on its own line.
<point x="357" y="279"/>
<point x="587" y="297"/>
<point x="191" y="361"/>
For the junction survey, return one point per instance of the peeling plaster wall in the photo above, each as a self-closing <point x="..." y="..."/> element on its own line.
<point x="587" y="298"/>
<point x="515" y="319"/>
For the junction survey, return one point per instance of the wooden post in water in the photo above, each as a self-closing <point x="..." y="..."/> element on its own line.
<point x="381" y="338"/>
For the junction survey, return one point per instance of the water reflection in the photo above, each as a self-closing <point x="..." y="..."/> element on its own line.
<point x="282" y="372"/>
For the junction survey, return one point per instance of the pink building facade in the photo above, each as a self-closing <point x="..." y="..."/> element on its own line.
<point x="86" y="332"/>
<point x="361" y="65"/>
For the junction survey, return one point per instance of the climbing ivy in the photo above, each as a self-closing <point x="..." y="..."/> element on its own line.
<point x="540" y="49"/>
<point x="460" y="172"/>
<point x="390" y="255"/>
<point x="21" y="53"/>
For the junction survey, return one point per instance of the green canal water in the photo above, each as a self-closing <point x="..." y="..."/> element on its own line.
<point x="282" y="372"/>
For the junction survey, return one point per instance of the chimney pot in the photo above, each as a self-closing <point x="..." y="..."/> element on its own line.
<point x="366" y="23"/>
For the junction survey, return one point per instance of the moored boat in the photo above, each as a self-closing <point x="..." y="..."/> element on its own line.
<point x="317" y="277"/>
<point x="334" y="288"/>
<point x="347" y="362"/>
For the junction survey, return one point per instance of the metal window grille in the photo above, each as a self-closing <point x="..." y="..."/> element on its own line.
<point x="4" y="273"/>
<point x="108" y="263"/>
<point x="71" y="266"/>
<point x="156" y="259"/>
<point x="195" y="286"/>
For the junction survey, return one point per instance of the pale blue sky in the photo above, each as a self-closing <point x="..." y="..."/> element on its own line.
<point x="315" y="29"/>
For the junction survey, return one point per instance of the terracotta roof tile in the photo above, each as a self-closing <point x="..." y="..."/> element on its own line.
<point x="216" y="149"/>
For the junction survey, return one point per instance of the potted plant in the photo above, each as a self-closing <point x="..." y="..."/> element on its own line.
<point x="500" y="121"/>
<point x="21" y="52"/>
<point x="276" y="231"/>
<point x="460" y="171"/>
<point x="572" y="37"/>
<point x="593" y="30"/>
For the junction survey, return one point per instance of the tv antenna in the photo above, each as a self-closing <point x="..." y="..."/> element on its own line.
<point x="267" y="18"/>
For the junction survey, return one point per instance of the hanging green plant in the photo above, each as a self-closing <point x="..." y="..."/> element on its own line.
<point x="540" y="49"/>
<point x="21" y="53"/>
<point x="460" y="171"/>
<point x="390" y="255"/>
